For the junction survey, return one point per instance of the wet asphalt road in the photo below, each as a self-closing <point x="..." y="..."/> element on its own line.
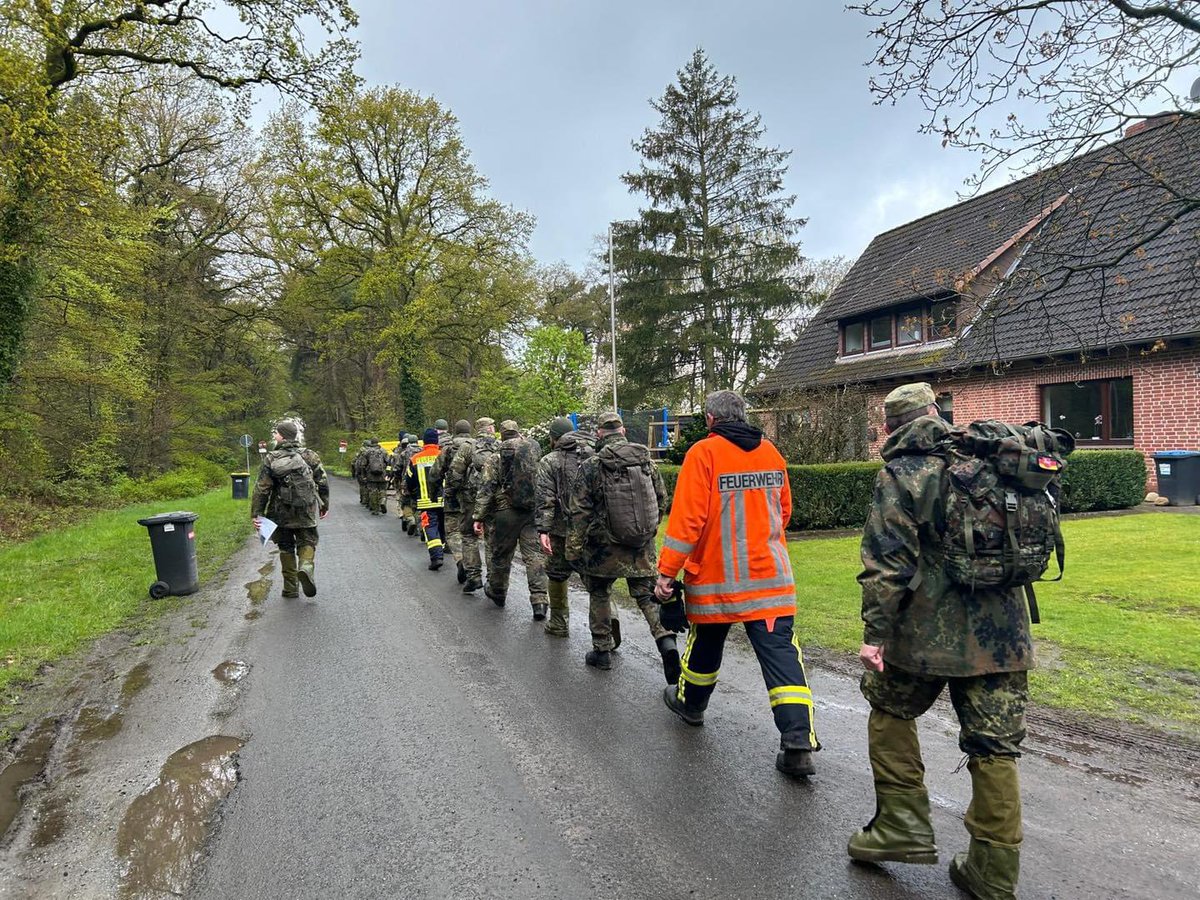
<point x="405" y="740"/>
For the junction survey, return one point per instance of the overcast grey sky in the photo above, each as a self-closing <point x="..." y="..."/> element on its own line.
<point x="550" y="94"/>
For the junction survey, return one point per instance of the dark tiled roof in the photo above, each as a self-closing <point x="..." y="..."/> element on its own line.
<point x="1066" y="294"/>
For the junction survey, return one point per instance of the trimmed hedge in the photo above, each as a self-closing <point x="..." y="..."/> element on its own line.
<point x="837" y="495"/>
<point x="830" y="495"/>
<point x="1104" y="479"/>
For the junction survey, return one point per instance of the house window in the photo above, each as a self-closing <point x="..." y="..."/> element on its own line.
<point x="852" y="340"/>
<point x="909" y="324"/>
<point x="942" y="319"/>
<point x="1096" y="411"/>
<point x="945" y="405"/>
<point x="881" y="333"/>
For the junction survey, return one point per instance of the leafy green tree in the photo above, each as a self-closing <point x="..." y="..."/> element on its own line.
<point x="707" y="270"/>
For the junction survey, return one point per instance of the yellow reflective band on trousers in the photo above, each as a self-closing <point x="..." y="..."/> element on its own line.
<point x="700" y="679"/>
<point x="812" y="711"/>
<point x="790" y="693"/>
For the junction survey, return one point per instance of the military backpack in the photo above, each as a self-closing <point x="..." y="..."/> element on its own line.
<point x="468" y="490"/>
<point x="295" y="487"/>
<point x="376" y="463"/>
<point x="626" y="478"/>
<point x="518" y="473"/>
<point x="1002" y="490"/>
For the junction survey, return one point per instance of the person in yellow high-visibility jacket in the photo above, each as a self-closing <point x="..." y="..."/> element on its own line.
<point x="427" y="491"/>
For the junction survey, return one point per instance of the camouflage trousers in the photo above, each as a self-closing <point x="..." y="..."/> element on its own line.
<point x="509" y="530"/>
<point x="600" y="607"/>
<point x="377" y="497"/>
<point x="362" y="492"/>
<point x="557" y="567"/>
<point x="289" y="539"/>
<point x="475" y="550"/>
<point x="454" y="538"/>
<point x="990" y="708"/>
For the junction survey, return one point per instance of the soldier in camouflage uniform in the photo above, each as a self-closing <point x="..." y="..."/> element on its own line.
<point x="923" y="633"/>
<point x="507" y="495"/>
<point x="465" y="472"/>
<point x="444" y="435"/>
<point x="296" y="531"/>
<point x="359" y="475"/>
<point x="375" y="457"/>
<point x="556" y="473"/>
<point x="442" y="472"/>
<point x="601" y="561"/>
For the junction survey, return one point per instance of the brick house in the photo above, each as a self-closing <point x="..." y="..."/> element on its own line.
<point x="1071" y="296"/>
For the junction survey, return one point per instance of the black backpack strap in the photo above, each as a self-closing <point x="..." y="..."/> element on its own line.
<point x="1035" y="616"/>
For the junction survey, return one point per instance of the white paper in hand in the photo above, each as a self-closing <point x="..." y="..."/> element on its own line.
<point x="266" y="528"/>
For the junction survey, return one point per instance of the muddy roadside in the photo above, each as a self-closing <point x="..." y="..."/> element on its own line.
<point x="101" y="795"/>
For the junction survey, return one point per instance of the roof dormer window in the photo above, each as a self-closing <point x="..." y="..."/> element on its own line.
<point x="907" y="326"/>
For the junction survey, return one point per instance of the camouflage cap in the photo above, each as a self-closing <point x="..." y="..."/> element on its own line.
<point x="560" y="426"/>
<point x="908" y="397"/>
<point x="610" y="420"/>
<point x="441" y="424"/>
<point x="462" y="426"/>
<point x="374" y="442"/>
<point x="483" y="423"/>
<point x="509" y="428"/>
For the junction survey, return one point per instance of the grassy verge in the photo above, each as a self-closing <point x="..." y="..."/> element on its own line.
<point x="1120" y="635"/>
<point x="73" y="584"/>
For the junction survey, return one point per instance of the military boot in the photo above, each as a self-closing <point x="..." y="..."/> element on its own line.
<point x="669" y="651"/>
<point x="287" y="565"/>
<point x="598" y="659"/>
<point x="560" y="610"/>
<point x="307" y="571"/>
<point x="987" y="872"/>
<point x="902" y="829"/>
<point x="992" y="864"/>
<point x="693" y="715"/>
<point x="795" y="762"/>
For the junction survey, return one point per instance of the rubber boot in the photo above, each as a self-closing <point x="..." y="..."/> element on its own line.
<point x="669" y="651"/>
<point x="287" y="565"/>
<point x="990" y="868"/>
<point x="902" y="828"/>
<point x="560" y="611"/>
<point x="307" y="571"/>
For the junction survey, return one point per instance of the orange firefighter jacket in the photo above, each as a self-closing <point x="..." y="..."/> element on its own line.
<point x="726" y="531"/>
<point x="420" y="483"/>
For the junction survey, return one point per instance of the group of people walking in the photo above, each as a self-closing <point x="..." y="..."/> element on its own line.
<point x="592" y="506"/>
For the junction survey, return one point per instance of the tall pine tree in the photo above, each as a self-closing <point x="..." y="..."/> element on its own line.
<point x="707" y="272"/>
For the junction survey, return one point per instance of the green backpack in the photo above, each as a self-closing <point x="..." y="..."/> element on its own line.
<point x="1002" y="489"/>
<point x="518" y="473"/>
<point x="294" y="484"/>
<point x="626" y="477"/>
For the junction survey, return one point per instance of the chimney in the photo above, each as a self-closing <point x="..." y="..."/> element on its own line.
<point x="1158" y="119"/>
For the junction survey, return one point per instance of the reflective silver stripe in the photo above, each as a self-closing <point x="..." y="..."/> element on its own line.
<point x="743" y="540"/>
<point x="674" y="544"/>
<point x="776" y="541"/>
<point x="727" y="538"/>
<point x="734" y="607"/>
<point x="739" y="587"/>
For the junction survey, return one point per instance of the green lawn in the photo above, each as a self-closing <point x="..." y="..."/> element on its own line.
<point x="1120" y="635"/>
<point x="65" y="587"/>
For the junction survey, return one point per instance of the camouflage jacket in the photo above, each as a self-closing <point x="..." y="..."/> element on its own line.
<point x="262" y="503"/>
<point x="467" y="469"/>
<point x="554" y="476"/>
<point x="443" y="469"/>
<point x="925" y="623"/>
<point x="493" y="493"/>
<point x="356" y="465"/>
<point x="589" y="546"/>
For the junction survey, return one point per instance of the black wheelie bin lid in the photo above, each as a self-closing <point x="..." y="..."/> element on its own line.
<point x="169" y="518"/>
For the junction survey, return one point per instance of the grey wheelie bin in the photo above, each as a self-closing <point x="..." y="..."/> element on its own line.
<point x="173" y="540"/>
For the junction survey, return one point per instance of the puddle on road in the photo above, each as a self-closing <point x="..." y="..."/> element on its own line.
<point x="267" y="568"/>
<point x="231" y="671"/>
<point x="253" y="614"/>
<point x="162" y="834"/>
<point x="257" y="590"/>
<point x="51" y="821"/>
<point x="27" y="766"/>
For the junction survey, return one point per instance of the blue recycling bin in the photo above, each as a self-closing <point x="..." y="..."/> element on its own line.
<point x="173" y="542"/>
<point x="1178" y="474"/>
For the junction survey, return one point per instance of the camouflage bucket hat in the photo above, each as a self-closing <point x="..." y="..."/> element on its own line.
<point x="483" y="423"/>
<point x="509" y="428"/>
<point x="908" y="397"/>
